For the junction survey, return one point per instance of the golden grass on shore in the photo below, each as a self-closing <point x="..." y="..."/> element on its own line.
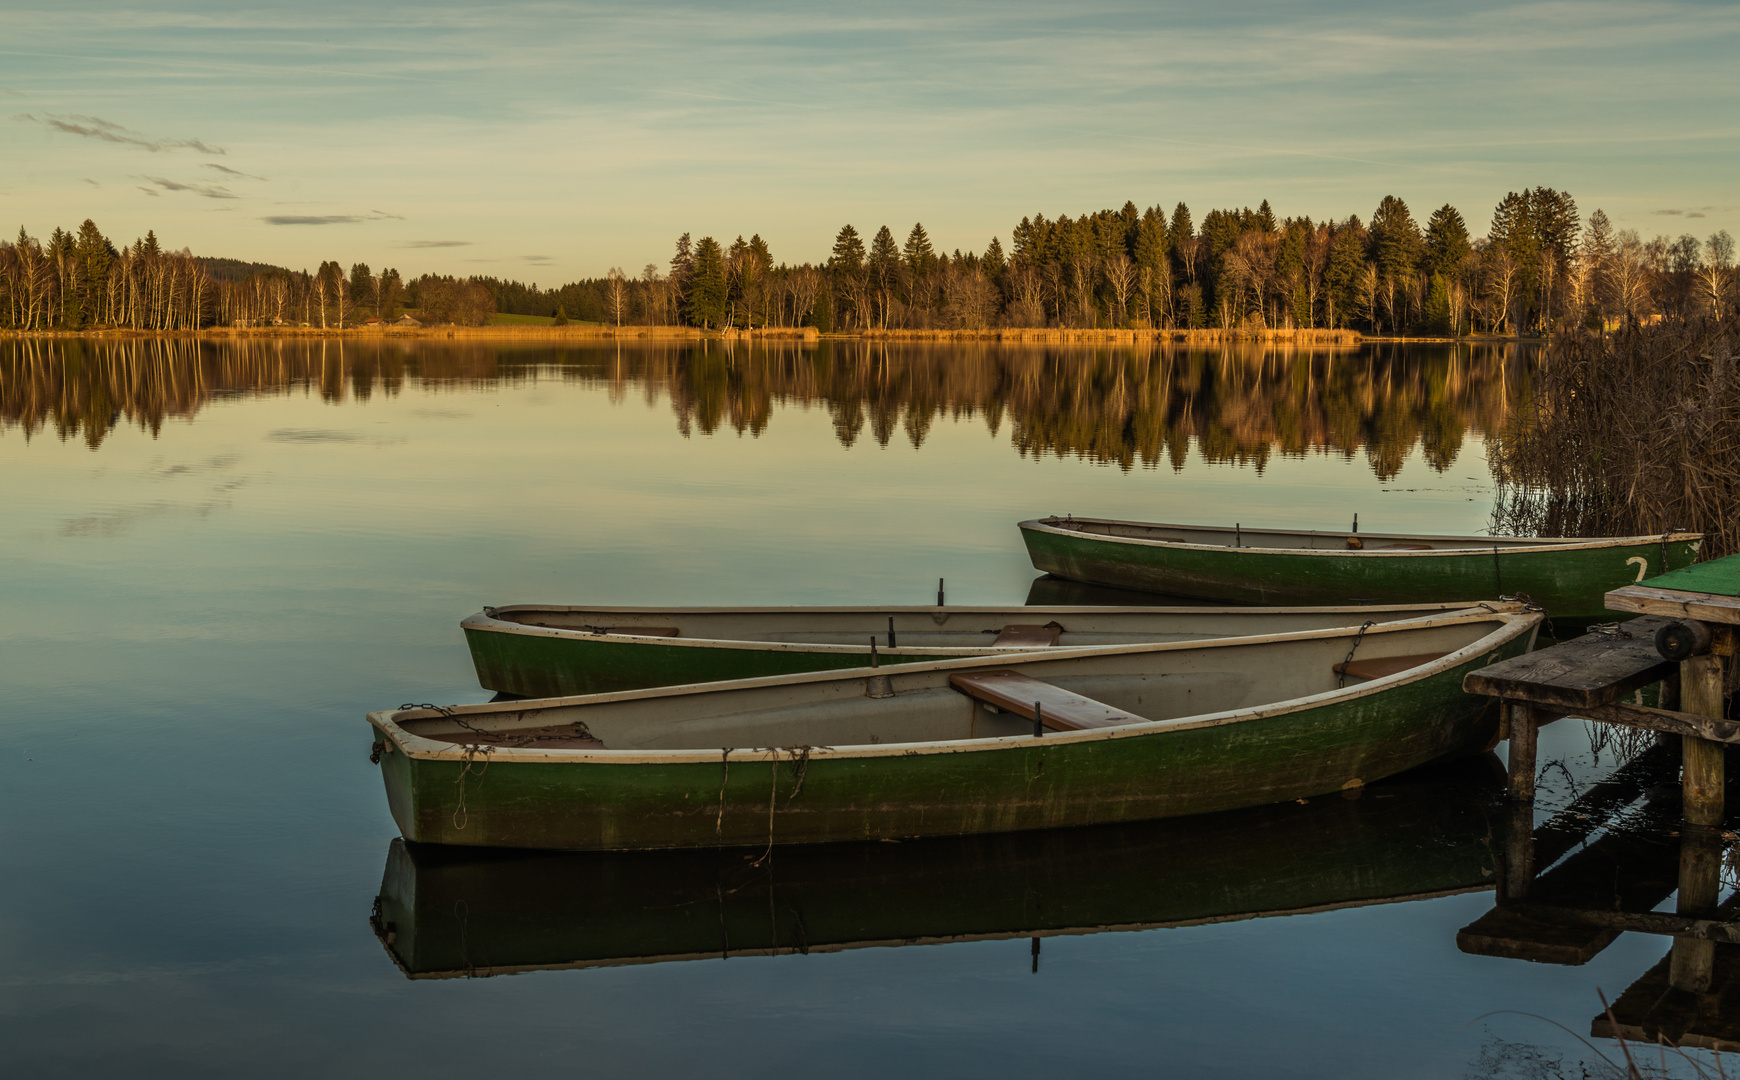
<point x="688" y="333"/>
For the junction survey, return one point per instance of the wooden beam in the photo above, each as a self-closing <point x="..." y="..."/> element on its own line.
<point x="1677" y="723"/>
<point x="1675" y="604"/>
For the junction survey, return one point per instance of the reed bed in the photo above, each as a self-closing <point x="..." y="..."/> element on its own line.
<point x="1632" y="433"/>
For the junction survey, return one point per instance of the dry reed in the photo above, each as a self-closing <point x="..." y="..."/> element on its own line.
<point x="1633" y="433"/>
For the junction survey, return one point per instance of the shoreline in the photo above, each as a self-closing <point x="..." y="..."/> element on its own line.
<point x="1007" y="336"/>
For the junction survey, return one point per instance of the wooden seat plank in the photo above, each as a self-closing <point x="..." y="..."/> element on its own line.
<point x="1583" y="673"/>
<point x="1064" y="710"/>
<point x="1029" y="634"/>
<point x="1379" y="666"/>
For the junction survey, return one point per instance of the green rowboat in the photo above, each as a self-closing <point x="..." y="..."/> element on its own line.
<point x="544" y="651"/>
<point x="948" y="748"/>
<point x="445" y="912"/>
<point x="1265" y="566"/>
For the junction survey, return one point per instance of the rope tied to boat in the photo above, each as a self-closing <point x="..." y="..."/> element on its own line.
<point x="1341" y="676"/>
<point x="473" y="751"/>
<point x="800" y="756"/>
<point x="725" y="778"/>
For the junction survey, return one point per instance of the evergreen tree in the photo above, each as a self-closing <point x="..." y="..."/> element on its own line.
<point x="884" y="255"/>
<point x="1026" y="246"/>
<point x="1265" y="217"/>
<point x="1395" y="241"/>
<point x="707" y="286"/>
<point x="848" y="255"/>
<point x="1341" y="276"/>
<point x="1130" y="219"/>
<point x="682" y="269"/>
<point x="1598" y="250"/>
<point x="993" y="262"/>
<point x="920" y="258"/>
<point x="1447" y="243"/>
<point x="561" y="316"/>
<point x="1435" y="318"/>
<point x="360" y="286"/>
<point x="95" y="255"/>
<point x="1182" y="231"/>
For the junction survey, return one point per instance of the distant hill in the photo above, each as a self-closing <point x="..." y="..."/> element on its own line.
<point x="233" y="270"/>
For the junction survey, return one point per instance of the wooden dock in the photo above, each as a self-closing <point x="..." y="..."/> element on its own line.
<point x="1685" y="642"/>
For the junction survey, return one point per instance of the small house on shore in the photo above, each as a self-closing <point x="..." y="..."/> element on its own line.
<point x="407" y="321"/>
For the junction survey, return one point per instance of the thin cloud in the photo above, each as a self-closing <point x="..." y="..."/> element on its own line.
<point x="535" y="258"/>
<point x="1669" y="213"/>
<point x="209" y="191"/>
<point x="149" y="191"/>
<point x="329" y="219"/>
<point x="95" y="127"/>
<point x="438" y="243"/>
<point x="91" y="182"/>
<point x="227" y="171"/>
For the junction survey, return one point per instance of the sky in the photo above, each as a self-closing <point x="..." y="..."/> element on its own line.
<point x="552" y="141"/>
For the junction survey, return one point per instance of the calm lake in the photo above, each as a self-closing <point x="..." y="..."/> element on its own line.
<point x="215" y="558"/>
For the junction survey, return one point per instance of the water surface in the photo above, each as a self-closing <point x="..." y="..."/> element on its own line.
<point x="216" y="557"/>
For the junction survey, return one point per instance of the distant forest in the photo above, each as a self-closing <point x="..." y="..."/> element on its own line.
<point x="1539" y="267"/>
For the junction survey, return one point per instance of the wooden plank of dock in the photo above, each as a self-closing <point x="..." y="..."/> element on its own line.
<point x="1584" y="673"/>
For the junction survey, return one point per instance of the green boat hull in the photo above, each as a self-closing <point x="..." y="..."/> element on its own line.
<point x="555" y="652"/>
<point x="770" y="796"/>
<point x="444" y="912"/>
<point x="1568" y="583"/>
<point x="530" y="666"/>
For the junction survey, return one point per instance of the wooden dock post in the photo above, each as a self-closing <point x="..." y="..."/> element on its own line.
<point x="1517" y="872"/>
<point x="1524" y="730"/>
<point x="1702" y="776"/>
<point x="1701" y="768"/>
<point x="1693" y="959"/>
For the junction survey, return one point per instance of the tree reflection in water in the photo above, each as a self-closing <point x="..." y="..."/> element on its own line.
<point x="1129" y="405"/>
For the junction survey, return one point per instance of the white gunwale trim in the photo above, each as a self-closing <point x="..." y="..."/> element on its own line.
<point x="1483" y="546"/>
<point x="486" y="622"/>
<point x="1508" y="626"/>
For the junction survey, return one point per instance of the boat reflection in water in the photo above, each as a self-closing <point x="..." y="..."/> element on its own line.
<point x="448" y="912"/>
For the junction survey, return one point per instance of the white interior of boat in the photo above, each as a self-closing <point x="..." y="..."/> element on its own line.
<point x="918" y="703"/>
<point x="952" y="629"/>
<point x="1279" y="539"/>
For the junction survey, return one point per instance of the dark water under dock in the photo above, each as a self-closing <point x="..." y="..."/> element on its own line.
<point x="215" y="558"/>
